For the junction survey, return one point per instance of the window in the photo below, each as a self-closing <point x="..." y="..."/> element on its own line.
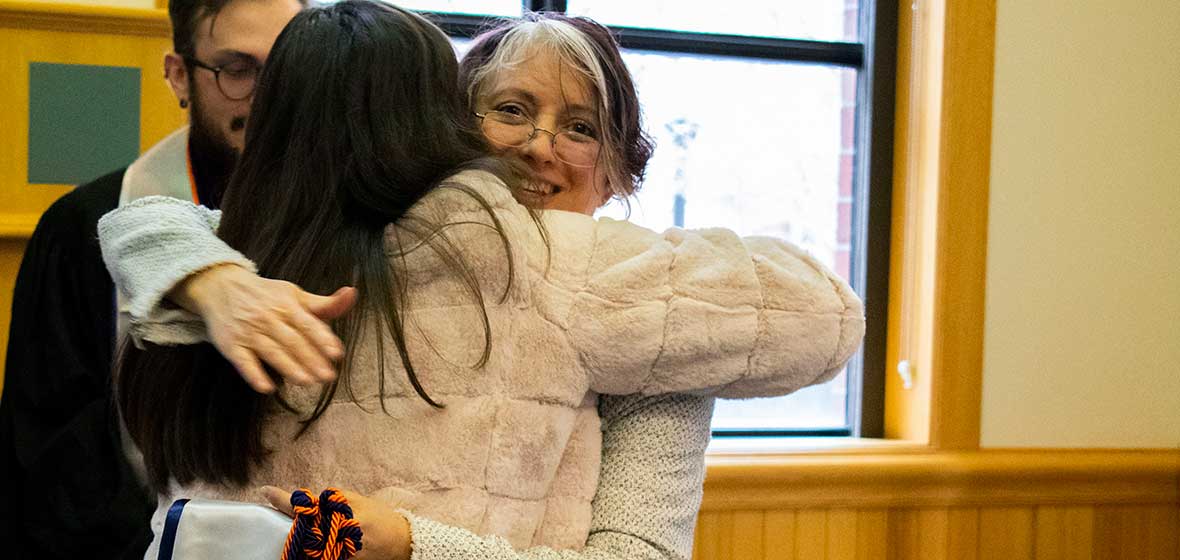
<point x="466" y="7"/>
<point x="764" y="163"/>
<point x="770" y="117"/>
<point x="827" y="20"/>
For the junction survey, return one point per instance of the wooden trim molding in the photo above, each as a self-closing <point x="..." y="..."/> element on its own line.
<point x="939" y="253"/>
<point x="18" y="226"/>
<point x="945" y="479"/>
<point x="91" y="19"/>
<point x="961" y="259"/>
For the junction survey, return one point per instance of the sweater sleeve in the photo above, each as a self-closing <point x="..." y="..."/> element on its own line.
<point x="152" y="244"/>
<point x="698" y="311"/>
<point x="648" y="493"/>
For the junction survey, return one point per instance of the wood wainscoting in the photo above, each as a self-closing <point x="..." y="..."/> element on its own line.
<point x="984" y="505"/>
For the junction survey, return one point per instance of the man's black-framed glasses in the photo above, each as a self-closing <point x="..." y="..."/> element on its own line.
<point x="514" y="131"/>
<point x="236" y="80"/>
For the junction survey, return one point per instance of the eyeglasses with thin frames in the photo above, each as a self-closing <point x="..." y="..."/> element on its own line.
<point x="515" y="131"/>
<point x="236" y="80"/>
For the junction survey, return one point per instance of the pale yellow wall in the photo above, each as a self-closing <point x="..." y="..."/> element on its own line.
<point x="1082" y="344"/>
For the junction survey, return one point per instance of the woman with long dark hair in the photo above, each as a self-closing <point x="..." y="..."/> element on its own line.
<point x="482" y="331"/>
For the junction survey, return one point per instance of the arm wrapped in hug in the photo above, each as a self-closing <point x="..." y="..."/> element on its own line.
<point x="151" y="245"/>
<point x="702" y="310"/>
<point x="682" y="311"/>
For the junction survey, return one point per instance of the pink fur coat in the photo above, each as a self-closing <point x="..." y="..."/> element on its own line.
<point x="603" y="306"/>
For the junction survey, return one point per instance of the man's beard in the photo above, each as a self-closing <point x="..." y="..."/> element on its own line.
<point x="213" y="157"/>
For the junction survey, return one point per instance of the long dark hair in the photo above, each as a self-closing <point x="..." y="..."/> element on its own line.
<point x="357" y="115"/>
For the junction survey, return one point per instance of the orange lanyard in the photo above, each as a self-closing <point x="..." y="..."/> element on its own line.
<point x="192" y="180"/>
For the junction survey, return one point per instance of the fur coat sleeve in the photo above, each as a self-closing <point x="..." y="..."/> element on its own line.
<point x="699" y="310"/>
<point x="681" y="311"/>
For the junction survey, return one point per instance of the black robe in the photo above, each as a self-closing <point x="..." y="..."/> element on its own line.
<point x="68" y="490"/>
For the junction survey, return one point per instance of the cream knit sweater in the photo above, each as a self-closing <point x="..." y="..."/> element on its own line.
<point x="609" y="308"/>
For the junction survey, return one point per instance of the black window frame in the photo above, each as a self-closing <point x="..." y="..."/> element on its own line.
<point x="874" y="58"/>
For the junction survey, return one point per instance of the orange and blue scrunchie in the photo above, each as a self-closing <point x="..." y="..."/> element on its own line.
<point x="323" y="529"/>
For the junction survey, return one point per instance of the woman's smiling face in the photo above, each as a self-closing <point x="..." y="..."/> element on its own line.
<point x="556" y="98"/>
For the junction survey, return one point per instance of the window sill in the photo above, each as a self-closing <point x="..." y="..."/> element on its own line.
<point x="731" y="447"/>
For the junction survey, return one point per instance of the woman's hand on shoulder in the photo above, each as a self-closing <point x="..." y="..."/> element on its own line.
<point x="251" y="319"/>
<point x="385" y="533"/>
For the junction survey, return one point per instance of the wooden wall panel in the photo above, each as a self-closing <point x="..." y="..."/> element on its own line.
<point x="11" y="251"/>
<point x="778" y="529"/>
<point x="1050" y="532"/>
<point x="1047" y="504"/>
<point x="1064" y="533"/>
<point x="841" y="534"/>
<point x="811" y="534"/>
<point x="903" y="534"/>
<point x="1147" y="532"/>
<point x="1006" y="533"/>
<point x="748" y="534"/>
<point x="1164" y="530"/>
<point x="1115" y="532"/>
<point x="933" y="534"/>
<point x="963" y="533"/>
<point x="872" y="530"/>
<point x="707" y="539"/>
